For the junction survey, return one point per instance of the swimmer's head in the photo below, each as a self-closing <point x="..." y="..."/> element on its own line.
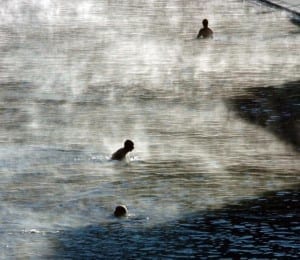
<point x="205" y="22"/>
<point x="120" y="211"/>
<point x="128" y="145"/>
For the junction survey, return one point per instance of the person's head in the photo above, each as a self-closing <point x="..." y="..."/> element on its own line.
<point x="120" y="211"/>
<point x="205" y="22"/>
<point x="128" y="145"/>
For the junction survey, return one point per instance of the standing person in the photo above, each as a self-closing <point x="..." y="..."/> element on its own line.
<point x="205" y="32"/>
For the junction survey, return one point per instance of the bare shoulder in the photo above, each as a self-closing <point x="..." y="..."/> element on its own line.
<point x="119" y="155"/>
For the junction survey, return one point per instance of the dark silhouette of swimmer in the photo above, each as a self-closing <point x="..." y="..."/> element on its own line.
<point x="205" y="32"/>
<point x="121" y="153"/>
<point x="120" y="211"/>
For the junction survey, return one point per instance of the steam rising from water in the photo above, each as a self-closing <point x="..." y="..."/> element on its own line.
<point x="150" y="44"/>
<point x="80" y="77"/>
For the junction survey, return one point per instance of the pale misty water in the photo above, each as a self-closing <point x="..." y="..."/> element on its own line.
<point x="79" y="77"/>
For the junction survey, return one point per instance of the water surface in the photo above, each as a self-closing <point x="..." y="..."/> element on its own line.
<point x="80" y="77"/>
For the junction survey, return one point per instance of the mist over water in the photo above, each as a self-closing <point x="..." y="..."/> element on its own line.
<point x="77" y="78"/>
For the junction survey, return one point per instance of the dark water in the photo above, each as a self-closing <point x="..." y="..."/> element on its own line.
<point x="275" y="108"/>
<point x="264" y="227"/>
<point x="215" y="170"/>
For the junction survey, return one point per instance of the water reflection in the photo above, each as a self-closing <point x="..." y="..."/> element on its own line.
<point x="274" y="108"/>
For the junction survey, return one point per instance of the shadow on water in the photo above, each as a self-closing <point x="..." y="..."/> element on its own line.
<point x="274" y="108"/>
<point x="267" y="226"/>
<point x="295" y="20"/>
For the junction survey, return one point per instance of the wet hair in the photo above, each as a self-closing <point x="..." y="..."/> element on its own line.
<point x="205" y="22"/>
<point x="128" y="145"/>
<point x="120" y="211"/>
